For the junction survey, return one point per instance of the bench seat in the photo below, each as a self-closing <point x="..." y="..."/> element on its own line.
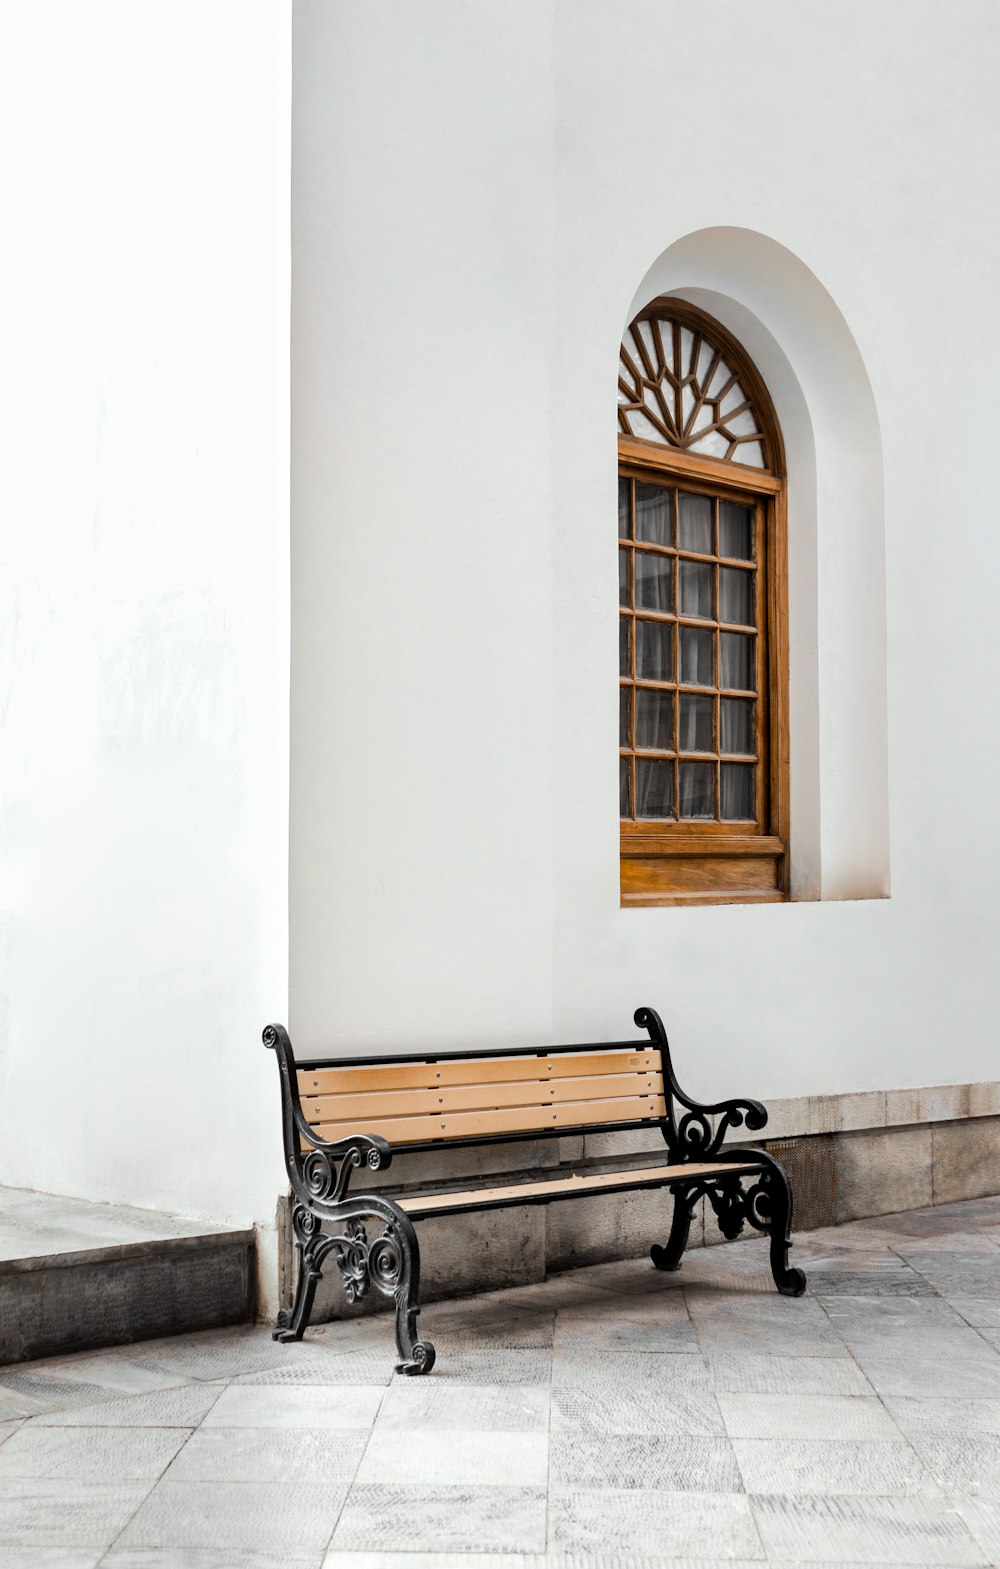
<point x="347" y="1115"/>
<point x="516" y="1193"/>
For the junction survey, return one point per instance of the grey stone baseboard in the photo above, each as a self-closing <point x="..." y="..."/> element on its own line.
<point x="840" y="1174"/>
<point x="107" y="1296"/>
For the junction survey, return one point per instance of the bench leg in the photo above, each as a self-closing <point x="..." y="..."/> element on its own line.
<point x="669" y="1257"/>
<point x="294" y="1321"/>
<point x="767" y="1204"/>
<point x="415" y="1356"/>
<point x="777" y="1206"/>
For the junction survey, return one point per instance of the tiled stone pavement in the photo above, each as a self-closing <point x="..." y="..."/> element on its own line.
<point x="612" y="1418"/>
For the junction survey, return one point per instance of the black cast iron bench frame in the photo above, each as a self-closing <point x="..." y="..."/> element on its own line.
<point x="743" y="1186"/>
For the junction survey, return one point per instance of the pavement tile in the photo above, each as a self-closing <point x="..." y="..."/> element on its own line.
<point x="673" y="1462"/>
<point x="970" y="1274"/>
<point x="281" y="1405"/>
<point x="225" y="1353"/>
<point x="776" y="1326"/>
<point x="49" y="1513"/>
<point x="980" y="1312"/>
<point x="91" y="1454"/>
<point x="807" y="1416"/>
<point x="893" y="1280"/>
<point x="928" y="1362"/>
<point x="656" y="1523"/>
<point x="351" y="1367"/>
<point x="492" y="1367"/>
<point x="429" y="1404"/>
<point x="442" y="1519"/>
<point x="943" y="1418"/>
<point x="204" y="1558"/>
<point x="184" y="1406"/>
<point x="336" y="1559"/>
<point x="982" y="1518"/>
<point x="832" y="1466"/>
<point x="624" y="1370"/>
<point x="494" y="1329"/>
<point x="81" y="1380"/>
<point x="52" y="1557"/>
<point x="269" y="1454"/>
<point x="969" y="1465"/>
<point x="864" y="1530"/>
<point x="467" y="1459"/>
<point x="238" y="1517"/>
<point x="637" y="1409"/>
<point x="15" y="1406"/>
<point x="786" y="1375"/>
<point x="874" y="1315"/>
<point x="584" y="1330"/>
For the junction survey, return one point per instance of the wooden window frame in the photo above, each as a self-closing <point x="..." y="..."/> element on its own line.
<point x="671" y="862"/>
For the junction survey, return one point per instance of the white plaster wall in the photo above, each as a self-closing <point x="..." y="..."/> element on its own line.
<point x="144" y="584"/>
<point x="480" y="192"/>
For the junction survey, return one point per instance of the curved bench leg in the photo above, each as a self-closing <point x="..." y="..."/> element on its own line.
<point x="293" y="1322"/>
<point x="790" y="1282"/>
<point x="415" y="1356"/>
<point x="669" y="1257"/>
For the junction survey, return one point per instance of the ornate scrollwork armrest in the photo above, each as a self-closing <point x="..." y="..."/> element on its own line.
<point x="321" y="1173"/>
<point x="326" y="1169"/>
<point x="692" y="1136"/>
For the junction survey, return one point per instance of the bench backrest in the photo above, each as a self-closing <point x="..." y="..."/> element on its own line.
<point x="479" y="1098"/>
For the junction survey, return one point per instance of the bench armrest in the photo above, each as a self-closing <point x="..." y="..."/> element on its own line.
<point x="691" y="1135"/>
<point x="320" y="1174"/>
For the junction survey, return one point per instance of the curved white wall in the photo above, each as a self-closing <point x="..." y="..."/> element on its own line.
<point x="144" y="623"/>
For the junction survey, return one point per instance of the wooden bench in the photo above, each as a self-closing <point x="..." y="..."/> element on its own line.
<point x="349" y="1112"/>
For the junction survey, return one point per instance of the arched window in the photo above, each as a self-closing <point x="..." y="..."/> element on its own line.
<point x="703" y="742"/>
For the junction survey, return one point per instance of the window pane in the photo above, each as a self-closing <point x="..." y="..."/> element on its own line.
<point x="652" y="514"/>
<point x="697" y="789"/>
<point x="736" y="596"/>
<point x="654" y="720"/>
<point x="736" y="661"/>
<point x="696" y="723"/>
<point x="735" y="530"/>
<point x="737" y="791"/>
<point x="624" y="805"/>
<point x="654" y="787"/>
<point x="623" y="649"/>
<point x="696" y="589"/>
<point x="736" y="725"/>
<point x="653" y="581"/>
<point x="653" y="659"/>
<point x="695" y="518"/>
<point x="623" y="593"/>
<point x="624" y="489"/>
<point x="624" y="714"/>
<point x="696" y="656"/>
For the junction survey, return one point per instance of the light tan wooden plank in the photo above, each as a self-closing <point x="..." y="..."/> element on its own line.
<point x="478" y="1097"/>
<point x="475" y="1070"/>
<point x="515" y="1119"/>
<point x="560" y="1185"/>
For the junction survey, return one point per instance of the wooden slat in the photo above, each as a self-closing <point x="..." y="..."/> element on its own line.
<point x="477" y="1097"/>
<point x="475" y="1070"/>
<point x="516" y="1119"/>
<point x="486" y="1198"/>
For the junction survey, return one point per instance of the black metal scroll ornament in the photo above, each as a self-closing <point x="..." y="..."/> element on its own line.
<point x="327" y="1220"/>
<point x="695" y="1136"/>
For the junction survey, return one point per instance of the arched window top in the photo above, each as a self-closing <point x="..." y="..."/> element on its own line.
<point x="685" y="383"/>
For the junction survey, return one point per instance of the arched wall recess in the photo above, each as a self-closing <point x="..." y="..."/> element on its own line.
<point x="804" y="350"/>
